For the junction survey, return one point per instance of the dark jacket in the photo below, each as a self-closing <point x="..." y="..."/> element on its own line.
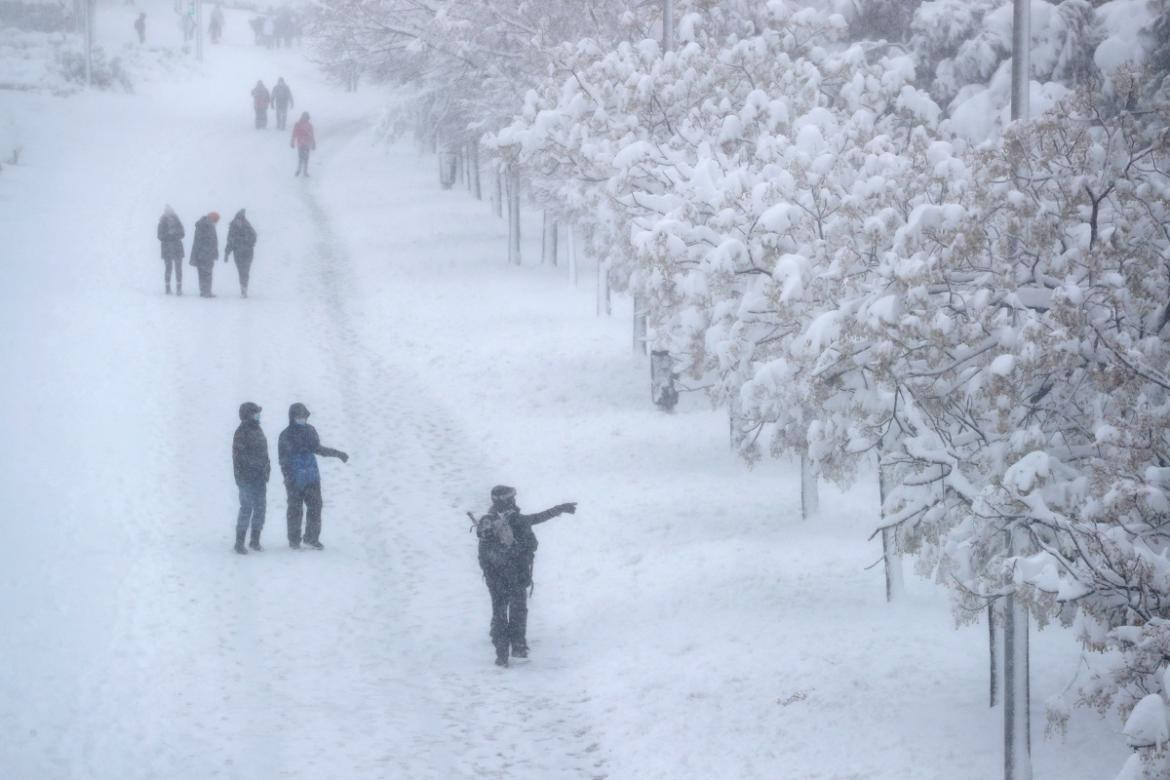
<point x="282" y="96"/>
<point x="170" y="236"/>
<point x="260" y="98"/>
<point x="241" y="237"/>
<point x="250" y="454"/>
<point x="296" y="451"/>
<point x="513" y="562"/>
<point x="205" y="245"/>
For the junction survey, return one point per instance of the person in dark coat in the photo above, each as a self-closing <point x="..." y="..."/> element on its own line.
<point x="170" y="238"/>
<point x="140" y="27"/>
<point x="507" y="549"/>
<point x="252" y="469"/>
<point x="297" y="450"/>
<point x="282" y="101"/>
<point x="241" y="240"/>
<point x="205" y="251"/>
<point x="260" y="102"/>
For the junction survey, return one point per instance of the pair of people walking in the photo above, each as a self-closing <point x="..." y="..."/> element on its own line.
<point x="241" y="243"/>
<point x="297" y="451"/>
<point x="280" y="99"/>
<point x="507" y="551"/>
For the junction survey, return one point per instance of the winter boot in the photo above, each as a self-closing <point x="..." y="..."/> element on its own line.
<point x="255" y="543"/>
<point x="502" y="658"/>
<point x="295" y="545"/>
<point x="520" y="651"/>
<point x="168" y="289"/>
<point x="314" y="544"/>
<point x="240" y="544"/>
<point x="179" y="288"/>
<point x="244" y="291"/>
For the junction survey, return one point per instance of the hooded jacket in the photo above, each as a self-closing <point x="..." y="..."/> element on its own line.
<point x="297" y="450"/>
<point x="282" y="96"/>
<point x="250" y="449"/>
<point x="260" y="98"/>
<point x="205" y="245"/>
<point x="241" y="237"/>
<point x="170" y="236"/>
<point x="302" y="135"/>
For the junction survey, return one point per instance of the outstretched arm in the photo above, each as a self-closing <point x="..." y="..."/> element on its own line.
<point x="329" y="452"/>
<point x="549" y="514"/>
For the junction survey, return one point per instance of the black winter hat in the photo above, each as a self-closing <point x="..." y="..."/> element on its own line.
<point x="502" y="493"/>
<point x="297" y="410"/>
<point x="247" y="410"/>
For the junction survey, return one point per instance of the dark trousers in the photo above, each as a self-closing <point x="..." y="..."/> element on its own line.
<point x="509" y="613"/>
<point x="302" y="160"/>
<point x="204" y="280"/>
<point x="244" y="267"/>
<point x="308" y="496"/>
<point x="177" y="265"/>
<point x="281" y="116"/>
<point x="253" y="504"/>
<point x="261" y="119"/>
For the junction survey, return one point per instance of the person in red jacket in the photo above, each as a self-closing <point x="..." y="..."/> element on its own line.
<point x="260" y="101"/>
<point x="303" y="140"/>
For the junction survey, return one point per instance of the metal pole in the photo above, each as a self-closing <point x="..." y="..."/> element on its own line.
<point x="89" y="8"/>
<point x="1017" y="721"/>
<point x="667" y="25"/>
<point x="199" y="30"/>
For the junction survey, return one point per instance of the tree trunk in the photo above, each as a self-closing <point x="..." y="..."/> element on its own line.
<point x="498" y="203"/>
<point x="548" y="253"/>
<point x="1017" y="698"/>
<point x="475" y="186"/>
<point x="890" y="553"/>
<point x="810" y="500"/>
<point x="604" y="302"/>
<point x="571" y="251"/>
<point x="639" y="331"/>
<point x="513" y="216"/>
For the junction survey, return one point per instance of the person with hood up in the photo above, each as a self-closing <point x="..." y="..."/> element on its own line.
<point x="241" y="240"/>
<point x="507" y="549"/>
<point x="297" y="451"/>
<point x="170" y="237"/>
<point x="304" y="141"/>
<point x="260" y="102"/>
<point x="205" y="251"/>
<point x="252" y="469"/>
<point x="282" y="101"/>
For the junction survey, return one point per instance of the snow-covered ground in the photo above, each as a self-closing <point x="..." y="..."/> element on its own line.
<point x="685" y="622"/>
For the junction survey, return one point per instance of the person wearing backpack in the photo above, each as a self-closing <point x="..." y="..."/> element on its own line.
<point x="297" y="450"/>
<point x="507" y="549"/>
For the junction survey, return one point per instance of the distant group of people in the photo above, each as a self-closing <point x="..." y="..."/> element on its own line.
<point x="297" y="450"/>
<point x="241" y="243"/>
<point x="276" y="28"/>
<point x="187" y="24"/>
<point x="303" y="138"/>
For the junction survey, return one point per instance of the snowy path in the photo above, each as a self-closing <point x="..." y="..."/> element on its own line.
<point x="684" y="625"/>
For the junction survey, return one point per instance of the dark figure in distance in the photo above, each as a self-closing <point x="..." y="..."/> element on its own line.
<point x="241" y="239"/>
<point x="282" y="101"/>
<point x="140" y="27"/>
<point x="252" y="469"/>
<point x="215" y="28"/>
<point x="170" y="237"/>
<point x="205" y="251"/>
<point x="260" y="101"/>
<point x="297" y="450"/>
<point x="304" y="141"/>
<point x="507" y="549"/>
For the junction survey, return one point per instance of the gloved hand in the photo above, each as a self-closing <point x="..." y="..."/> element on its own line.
<point x="569" y="508"/>
<point x="344" y="457"/>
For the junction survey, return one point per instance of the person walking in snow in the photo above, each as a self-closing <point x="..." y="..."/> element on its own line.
<point x="260" y="102"/>
<point x="252" y="468"/>
<point x="507" y="550"/>
<point x="170" y="239"/>
<point x="241" y="240"/>
<point x="297" y="451"/>
<point x="282" y="101"/>
<point x="140" y="27"/>
<point x="215" y="28"/>
<point x="304" y="141"/>
<point x="205" y="251"/>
